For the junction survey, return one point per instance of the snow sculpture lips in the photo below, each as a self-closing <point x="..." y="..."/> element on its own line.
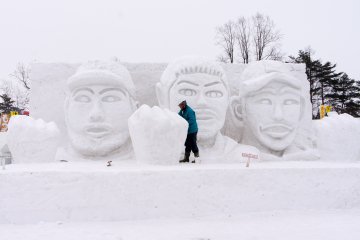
<point x="158" y="135"/>
<point x="97" y="131"/>
<point x="205" y="114"/>
<point x="276" y="130"/>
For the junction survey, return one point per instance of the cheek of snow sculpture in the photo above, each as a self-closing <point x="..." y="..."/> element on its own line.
<point x="203" y="84"/>
<point x="338" y="137"/>
<point x="158" y="135"/>
<point x="98" y="105"/>
<point x="31" y="140"/>
<point x="271" y="107"/>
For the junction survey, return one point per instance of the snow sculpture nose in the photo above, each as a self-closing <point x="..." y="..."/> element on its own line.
<point x="97" y="113"/>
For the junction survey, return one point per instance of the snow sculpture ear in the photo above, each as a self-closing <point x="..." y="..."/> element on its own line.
<point x="134" y="104"/>
<point x="65" y="107"/>
<point x="161" y="96"/>
<point x="236" y="110"/>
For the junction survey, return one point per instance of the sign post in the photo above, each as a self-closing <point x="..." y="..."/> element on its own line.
<point x="249" y="156"/>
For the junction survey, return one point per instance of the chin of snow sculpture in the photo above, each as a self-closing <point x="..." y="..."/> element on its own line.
<point x="98" y="104"/>
<point x="158" y="135"/>
<point x="31" y="140"/>
<point x="203" y="84"/>
<point x="271" y="108"/>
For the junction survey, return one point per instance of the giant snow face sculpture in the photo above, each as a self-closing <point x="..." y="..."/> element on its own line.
<point x="207" y="95"/>
<point x="203" y="84"/>
<point x="272" y="115"/>
<point x="97" y="108"/>
<point x="270" y="106"/>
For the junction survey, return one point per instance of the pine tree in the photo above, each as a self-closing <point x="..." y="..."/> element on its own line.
<point x="7" y="104"/>
<point x="344" y="95"/>
<point x="326" y="74"/>
<point x="312" y="68"/>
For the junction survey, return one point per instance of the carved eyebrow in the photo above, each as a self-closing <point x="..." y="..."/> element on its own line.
<point x="83" y="89"/>
<point x="267" y="90"/>
<point x="291" y="90"/>
<point x="184" y="81"/>
<point x="211" y="84"/>
<point x="111" y="89"/>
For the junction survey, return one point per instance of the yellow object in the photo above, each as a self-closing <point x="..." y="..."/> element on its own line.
<point x="14" y="113"/>
<point x="322" y="111"/>
<point x="328" y="109"/>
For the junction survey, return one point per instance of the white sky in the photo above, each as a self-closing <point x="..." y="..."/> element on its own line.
<point x="161" y="30"/>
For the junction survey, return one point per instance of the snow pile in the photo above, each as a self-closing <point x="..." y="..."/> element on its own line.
<point x="338" y="137"/>
<point x="32" y="140"/>
<point x="158" y="135"/>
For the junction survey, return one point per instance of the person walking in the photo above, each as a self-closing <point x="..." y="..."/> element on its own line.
<point x="190" y="144"/>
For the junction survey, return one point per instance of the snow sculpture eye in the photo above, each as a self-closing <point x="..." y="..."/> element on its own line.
<point x="265" y="101"/>
<point x="82" y="99"/>
<point x="111" y="98"/>
<point x="291" y="102"/>
<point x="214" y="94"/>
<point x="187" y="92"/>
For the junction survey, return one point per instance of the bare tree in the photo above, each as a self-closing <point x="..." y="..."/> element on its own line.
<point x="243" y="38"/>
<point x="21" y="73"/>
<point x="226" y="37"/>
<point x="223" y="59"/>
<point x="265" y="38"/>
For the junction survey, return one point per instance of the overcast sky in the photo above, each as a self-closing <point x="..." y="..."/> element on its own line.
<point x="161" y="30"/>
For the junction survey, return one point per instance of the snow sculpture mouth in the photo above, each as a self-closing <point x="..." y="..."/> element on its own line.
<point x="203" y="115"/>
<point x="276" y="130"/>
<point x="97" y="131"/>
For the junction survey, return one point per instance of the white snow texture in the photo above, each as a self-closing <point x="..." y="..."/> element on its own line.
<point x="158" y="135"/>
<point x="31" y="140"/>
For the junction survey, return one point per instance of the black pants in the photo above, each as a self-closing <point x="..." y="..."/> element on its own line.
<point x="190" y="143"/>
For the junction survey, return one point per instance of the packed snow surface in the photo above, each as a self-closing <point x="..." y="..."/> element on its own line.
<point x="274" y="225"/>
<point x="338" y="137"/>
<point x="158" y="135"/>
<point x="92" y="191"/>
<point x="31" y="140"/>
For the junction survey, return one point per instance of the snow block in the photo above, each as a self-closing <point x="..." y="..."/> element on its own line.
<point x="94" y="192"/>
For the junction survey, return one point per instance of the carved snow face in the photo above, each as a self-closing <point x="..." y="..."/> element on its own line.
<point x="97" y="117"/>
<point x="273" y="115"/>
<point x="207" y="96"/>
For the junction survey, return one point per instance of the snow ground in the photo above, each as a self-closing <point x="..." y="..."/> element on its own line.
<point x="295" y="225"/>
<point x="304" y="201"/>
<point x="130" y="165"/>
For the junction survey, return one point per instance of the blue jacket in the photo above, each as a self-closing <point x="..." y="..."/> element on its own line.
<point x="189" y="115"/>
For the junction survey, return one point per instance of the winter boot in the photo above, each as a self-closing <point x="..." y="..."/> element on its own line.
<point x="196" y="156"/>
<point x="186" y="158"/>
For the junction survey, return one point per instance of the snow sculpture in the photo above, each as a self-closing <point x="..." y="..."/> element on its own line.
<point x="271" y="107"/>
<point x="204" y="86"/>
<point x="157" y="135"/>
<point x="99" y="101"/>
<point x="31" y="140"/>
